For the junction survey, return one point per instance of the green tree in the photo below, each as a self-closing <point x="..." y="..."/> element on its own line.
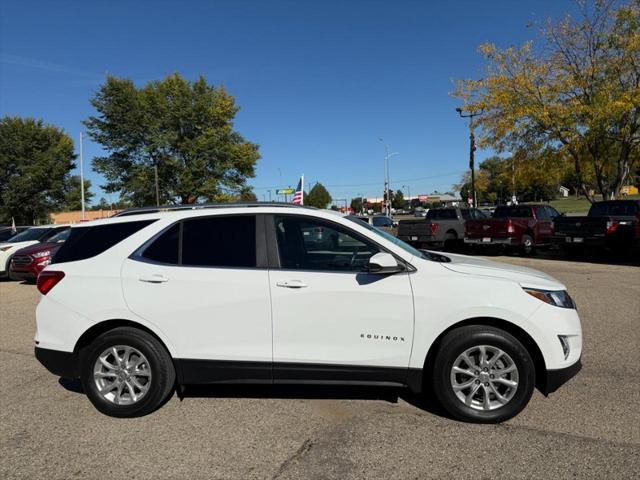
<point x="357" y="205"/>
<point x="576" y="94"/>
<point x="247" y="195"/>
<point x="397" y="200"/>
<point x="73" y="194"/>
<point x="317" y="197"/>
<point x="35" y="161"/>
<point x="184" y="128"/>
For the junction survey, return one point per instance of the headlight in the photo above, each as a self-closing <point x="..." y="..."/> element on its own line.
<point x="557" y="298"/>
<point x="44" y="253"/>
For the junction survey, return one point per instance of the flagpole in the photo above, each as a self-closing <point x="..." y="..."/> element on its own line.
<point x="81" y="178"/>
<point x="302" y="189"/>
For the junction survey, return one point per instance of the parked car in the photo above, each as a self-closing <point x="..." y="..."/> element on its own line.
<point x="7" y="232"/>
<point x="441" y="227"/>
<point x="133" y="306"/>
<point x="523" y="227"/>
<point x="29" y="261"/>
<point x="382" y="222"/>
<point x="613" y="224"/>
<point x="23" y="239"/>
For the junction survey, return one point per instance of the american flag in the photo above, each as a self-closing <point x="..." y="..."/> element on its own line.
<point x="298" y="197"/>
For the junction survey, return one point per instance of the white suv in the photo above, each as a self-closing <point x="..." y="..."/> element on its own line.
<point x="136" y="305"/>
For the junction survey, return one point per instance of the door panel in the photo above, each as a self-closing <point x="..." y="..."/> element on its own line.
<point x="342" y="318"/>
<point x="331" y="320"/>
<point x="208" y="313"/>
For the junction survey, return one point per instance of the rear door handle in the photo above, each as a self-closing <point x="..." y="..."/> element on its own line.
<point x="291" y="284"/>
<point x="153" y="278"/>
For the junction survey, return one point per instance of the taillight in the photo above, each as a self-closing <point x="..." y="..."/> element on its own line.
<point x="612" y="226"/>
<point x="47" y="280"/>
<point x="510" y="227"/>
<point x="434" y="228"/>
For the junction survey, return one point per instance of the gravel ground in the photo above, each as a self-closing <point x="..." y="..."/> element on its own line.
<point x="590" y="428"/>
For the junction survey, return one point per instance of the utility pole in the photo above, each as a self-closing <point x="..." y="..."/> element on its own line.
<point x="387" y="156"/>
<point x="269" y="194"/>
<point x="81" y="178"/>
<point x="408" y="194"/>
<point x="472" y="149"/>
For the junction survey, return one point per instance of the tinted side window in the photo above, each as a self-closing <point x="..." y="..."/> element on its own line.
<point x="541" y="213"/>
<point x="382" y="222"/>
<point x="466" y="215"/>
<point x="87" y="242"/>
<point x="220" y="241"/>
<point x="553" y="213"/>
<point x="164" y="249"/>
<point x="308" y="244"/>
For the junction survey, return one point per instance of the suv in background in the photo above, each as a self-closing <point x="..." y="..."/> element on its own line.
<point x="441" y="227"/>
<point x="29" y="261"/>
<point x="382" y="222"/>
<point x="612" y="223"/>
<point x="524" y="227"/>
<point x="135" y="305"/>
<point x="23" y="239"/>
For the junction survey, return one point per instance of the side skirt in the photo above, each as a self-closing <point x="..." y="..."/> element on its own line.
<point x="192" y="371"/>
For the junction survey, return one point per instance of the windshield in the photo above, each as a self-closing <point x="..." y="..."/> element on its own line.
<point x="388" y="236"/>
<point x="28" y="235"/>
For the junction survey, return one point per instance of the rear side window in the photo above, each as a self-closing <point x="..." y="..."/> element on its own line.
<point x="220" y="241"/>
<point x="518" y="212"/>
<point x="164" y="249"/>
<point x="442" y="214"/>
<point x="87" y="242"/>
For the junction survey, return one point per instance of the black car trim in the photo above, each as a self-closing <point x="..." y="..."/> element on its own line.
<point x="556" y="378"/>
<point x="63" y="364"/>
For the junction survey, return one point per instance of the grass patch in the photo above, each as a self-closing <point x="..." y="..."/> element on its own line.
<point x="580" y="204"/>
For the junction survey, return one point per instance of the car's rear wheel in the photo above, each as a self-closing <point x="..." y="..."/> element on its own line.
<point x="483" y="374"/>
<point x="126" y="372"/>
<point x="527" y="246"/>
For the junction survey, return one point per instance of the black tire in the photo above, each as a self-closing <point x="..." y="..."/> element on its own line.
<point x="163" y="376"/>
<point x="458" y="341"/>
<point x="450" y="241"/>
<point x="527" y="246"/>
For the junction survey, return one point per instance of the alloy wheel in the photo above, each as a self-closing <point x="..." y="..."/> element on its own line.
<point x="484" y="377"/>
<point x="122" y="375"/>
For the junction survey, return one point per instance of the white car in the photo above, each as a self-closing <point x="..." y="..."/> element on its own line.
<point x="23" y="239"/>
<point x="136" y="305"/>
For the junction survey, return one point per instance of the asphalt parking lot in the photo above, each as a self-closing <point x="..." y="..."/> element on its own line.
<point x="590" y="428"/>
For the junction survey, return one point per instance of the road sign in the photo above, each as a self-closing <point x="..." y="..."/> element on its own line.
<point x="285" y="191"/>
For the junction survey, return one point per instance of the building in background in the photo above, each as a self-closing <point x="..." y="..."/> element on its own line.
<point x="76" y="216"/>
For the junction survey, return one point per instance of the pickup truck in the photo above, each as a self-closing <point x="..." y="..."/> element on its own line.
<point x="521" y="227"/>
<point x="442" y="227"/>
<point x="612" y="224"/>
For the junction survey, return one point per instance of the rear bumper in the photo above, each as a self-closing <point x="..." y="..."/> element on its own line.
<point x="492" y="241"/>
<point x="63" y="364"/>
<point x="556" y="378"/>
<point x="573" y="240"/>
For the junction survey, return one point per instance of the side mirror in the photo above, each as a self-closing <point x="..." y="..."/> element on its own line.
<point x="384" y="264"/>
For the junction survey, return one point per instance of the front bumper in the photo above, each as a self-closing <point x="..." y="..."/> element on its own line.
<point x="554" y="379"/>
<point x="63" y="364"/>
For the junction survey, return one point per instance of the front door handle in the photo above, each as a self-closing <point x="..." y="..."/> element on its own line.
<point x="291" y="284"/>
<point x="157" y="278"/>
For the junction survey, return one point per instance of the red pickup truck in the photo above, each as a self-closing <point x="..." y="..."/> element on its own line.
<point x="522" y="227"/>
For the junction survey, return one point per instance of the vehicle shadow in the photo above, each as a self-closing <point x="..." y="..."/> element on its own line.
<point x="424" y="402"/>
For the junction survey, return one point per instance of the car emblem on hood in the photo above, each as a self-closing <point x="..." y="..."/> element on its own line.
<point x="485" y="227"/>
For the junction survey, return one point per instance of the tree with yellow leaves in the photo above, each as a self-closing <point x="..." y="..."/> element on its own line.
<point x="577" y="95"/>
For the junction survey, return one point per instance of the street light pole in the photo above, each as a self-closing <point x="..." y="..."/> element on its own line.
<point x="472" y="149"/>
<point x="408" y="194"/>
<point x="387" y="156"/>
<point x="81" y="178"/>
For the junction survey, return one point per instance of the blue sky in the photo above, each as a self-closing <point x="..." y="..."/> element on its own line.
<point x="318" y="82"/>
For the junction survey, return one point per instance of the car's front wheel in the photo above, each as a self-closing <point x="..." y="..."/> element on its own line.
<point x="483" y="374"/>
<point x="126" y="372"/>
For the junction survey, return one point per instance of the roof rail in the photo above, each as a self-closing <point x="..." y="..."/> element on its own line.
<point x="200" y="206"/>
